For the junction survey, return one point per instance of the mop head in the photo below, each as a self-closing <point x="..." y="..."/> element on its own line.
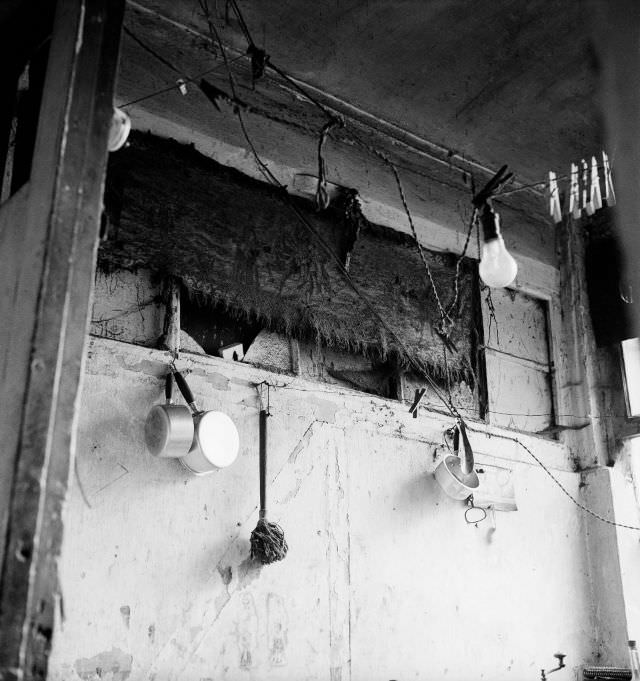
<point x="268" y="543"/>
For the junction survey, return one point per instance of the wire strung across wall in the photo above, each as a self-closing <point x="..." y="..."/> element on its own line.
<point x="564" y="490"/>
<point x="448" y="403"/>
<point x="447" y="321"/>
<point x="445" y="314"/>
<point x="538" y="461"/>
<point x="256" y="53"/>
<point x="183" y="78"/>
<point x="271" y="178"/>
<point x="540" y="185"/>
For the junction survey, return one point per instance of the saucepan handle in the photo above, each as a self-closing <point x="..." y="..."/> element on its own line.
<point x="168" y="387"/>
<point x="467" y="459"/>
<point x="185" y="390"/>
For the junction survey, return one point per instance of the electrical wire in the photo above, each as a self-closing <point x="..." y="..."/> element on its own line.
<point x="319" y="239"/>
<point x="333" y="120"/>
<point x="545" y="184"/>
<point x="149" y="49"/>
<point x="447" y="322"/>
<point x="448" y="403"/>
<point x="170" y="65"/>
<point x="564" y="490"/>
<point x="540" y="463"/>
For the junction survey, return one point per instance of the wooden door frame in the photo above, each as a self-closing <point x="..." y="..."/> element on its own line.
<point x="48" y="242"/>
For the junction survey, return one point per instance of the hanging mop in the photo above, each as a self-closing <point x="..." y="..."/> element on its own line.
<point x="268" y="544"/>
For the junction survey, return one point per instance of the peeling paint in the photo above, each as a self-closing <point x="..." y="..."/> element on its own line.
<point x="247" y="625"/>
<point x="277" y="630"/>
<point x="226" y="573"/>
<point x="112" y="665"/>
<point x="216" y="380"/>
<point x="125" y="611"/>
<point x="335" y="674"/>
<point x="324" y="410"/>
<point x="218" y="614"/>
<point x="248" y="571"/>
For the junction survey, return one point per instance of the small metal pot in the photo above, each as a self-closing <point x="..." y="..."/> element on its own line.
<point x="454" y="482"/>
<point x="168" y="431"/>
<point x="455" y="474"/>
<point x="215" y="441"/>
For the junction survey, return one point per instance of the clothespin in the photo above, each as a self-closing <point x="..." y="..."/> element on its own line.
<point x="596" y="195"/>
<point x="586" y="194"/>
<point x="494" y="184"/>
<point x="413" y="409"/>
<point x="259" y="59"/>
<point x="555" y="209"/>
<point x="609" y="194"/>
<point x="182" y="86"/>
<point x="574" y="195"/>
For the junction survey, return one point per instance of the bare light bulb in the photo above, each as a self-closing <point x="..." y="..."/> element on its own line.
<point x="497" y="266"/>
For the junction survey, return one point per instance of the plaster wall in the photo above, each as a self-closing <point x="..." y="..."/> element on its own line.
<point x="383" y="580"/>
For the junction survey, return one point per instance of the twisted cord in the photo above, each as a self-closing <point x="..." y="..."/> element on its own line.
<point x="564" y="490"/>
<point x="322" y="194"/>
<point x="446" y="321"/>
<point x="473" y="222"/>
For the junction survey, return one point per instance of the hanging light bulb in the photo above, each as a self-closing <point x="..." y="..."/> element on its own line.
<point x="119" y="129"/>
<point x="497" y="266"/>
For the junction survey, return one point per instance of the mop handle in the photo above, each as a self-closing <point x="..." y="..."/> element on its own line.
<point x="263" y="463"/>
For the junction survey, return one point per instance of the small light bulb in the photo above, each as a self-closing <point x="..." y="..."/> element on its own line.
<point x="497" y="266"/>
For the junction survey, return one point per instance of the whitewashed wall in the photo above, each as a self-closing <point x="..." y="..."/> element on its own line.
<point x="384" y="580"/>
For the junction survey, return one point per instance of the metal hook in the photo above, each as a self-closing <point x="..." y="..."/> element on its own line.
<point x="470" y="509"/>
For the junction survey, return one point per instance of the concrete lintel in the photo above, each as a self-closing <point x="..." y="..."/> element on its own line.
<point x="534" y="277"/>
<point x="344" y="408"/>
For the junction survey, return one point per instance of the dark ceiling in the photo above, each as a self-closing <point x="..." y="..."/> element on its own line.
<point x="500" y="81"/>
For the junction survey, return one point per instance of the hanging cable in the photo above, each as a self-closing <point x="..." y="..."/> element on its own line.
<point x="404" y="351"/>
<point x="446" y="313"/>
<point x="150" y="50"/>
<point x="473" y="223"/>
<point x="170" y="65"/>
<point x="322" y="194"/>
<point x="564" y="490"/>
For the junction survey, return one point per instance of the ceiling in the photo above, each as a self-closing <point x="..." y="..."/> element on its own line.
<point x="500" y="81"/>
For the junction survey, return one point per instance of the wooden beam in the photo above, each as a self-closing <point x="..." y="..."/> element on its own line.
<point x="50" y="270"/>
<point x="616" y="33"/>
<point x="285" y="129"/>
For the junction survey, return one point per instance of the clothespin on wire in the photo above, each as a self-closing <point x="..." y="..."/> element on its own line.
<point x="492" y="187"/>
<point x="413" y="409"/>
<point x="586" y="194"/>
<point x="555" y="210"/>
<point x="574" y="195"/>
<point x="182" y="86"/>
<point x="609" y="194"/>
<point x="596" y="194"/>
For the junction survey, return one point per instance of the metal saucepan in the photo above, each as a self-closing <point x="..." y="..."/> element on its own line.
<point x="168" y="430"/>
<point x="455" y="474"/>
<point x="215" y="441"/>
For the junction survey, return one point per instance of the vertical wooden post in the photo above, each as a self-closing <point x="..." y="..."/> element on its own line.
<point x="171" y="334"/>
<point x="47" y="265"/>
<point x="616" y="33"/>
<point x="575" y="353"/>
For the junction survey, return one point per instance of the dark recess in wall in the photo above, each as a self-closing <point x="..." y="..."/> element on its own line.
<point x="607" y="289"/>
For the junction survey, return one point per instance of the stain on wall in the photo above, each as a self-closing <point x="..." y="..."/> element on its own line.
<point x="111" y="665"/>
<point x="125" y="611"/>
<point x="383" y="578"/>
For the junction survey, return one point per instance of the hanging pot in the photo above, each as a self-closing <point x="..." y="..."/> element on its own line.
<point x="215" y="440"/>
<point x="168" y="431"/>
<point x="455" y="474"/>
